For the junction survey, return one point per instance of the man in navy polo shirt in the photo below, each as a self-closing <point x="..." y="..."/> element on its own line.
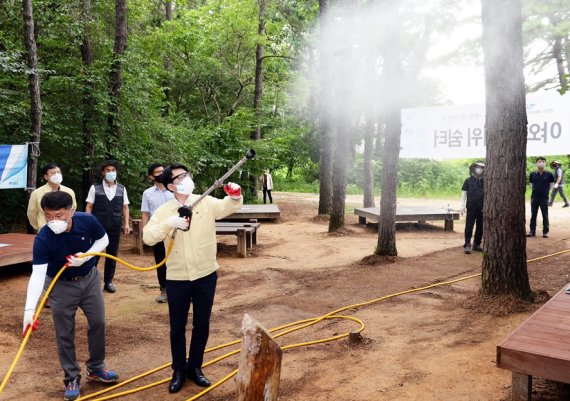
<point x="60" y="242"/>
<point x="541" y="181"/>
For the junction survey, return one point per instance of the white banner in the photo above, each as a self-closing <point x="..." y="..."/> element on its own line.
<point x="13" y="166"/>
<point x="457" y="132"/>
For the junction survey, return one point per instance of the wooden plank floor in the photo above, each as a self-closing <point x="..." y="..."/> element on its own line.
<point x="260" y="212"/>
<point x="541" y="345"/>
<point x="408" y="213"/>
<point x="16" y="248"/>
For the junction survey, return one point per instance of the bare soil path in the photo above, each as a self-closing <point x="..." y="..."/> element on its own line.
<point x="438" y="344"/>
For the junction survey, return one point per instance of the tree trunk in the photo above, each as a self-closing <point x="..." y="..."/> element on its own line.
<point x="339" y="174"/>
<point x="259" y="53"/>
<point x="326" y="146"/>
<point x="557" y="55"/>
<point x="167" y="66"/>
<point x="258" y="91"/>
<point x="88" y="102"/>
<point x="504" y="259"/>
<point x="367" y="168"/>
<point x="394" y="85"/>
<point x="34" y="84"/>
<point x="116" y="78"/>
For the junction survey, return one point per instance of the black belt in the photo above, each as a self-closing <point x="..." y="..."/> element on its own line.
<point x="75" y="278"/>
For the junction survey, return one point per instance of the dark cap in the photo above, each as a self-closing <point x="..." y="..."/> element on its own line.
<point x="106" y="163"/>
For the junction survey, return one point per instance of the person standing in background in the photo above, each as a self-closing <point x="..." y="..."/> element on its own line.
<point x="267" y="183"/>
<point x="472" y="201"/>
<point x="109" y="202"/>
<point x="558" y="186"/>
<point x="52" y="174"/>
<point x="152" y="198"/>
<point x="541" y="181"/>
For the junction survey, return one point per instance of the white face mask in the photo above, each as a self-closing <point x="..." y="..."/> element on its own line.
<point x="111" y="176"/>
<point x="56" y="179"/>
<point x="478" y="170"/>
<point x="185" y="187"/>
<point x="540" y="164"/>
<point x="57" y="226"/>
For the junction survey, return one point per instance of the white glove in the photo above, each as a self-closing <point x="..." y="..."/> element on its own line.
<point x="29" y="320"/>
<point x="178" y="222"/>
<point x="555" y="186"/>
<point x="233" y="190"/>
<point x="76" y="260"/>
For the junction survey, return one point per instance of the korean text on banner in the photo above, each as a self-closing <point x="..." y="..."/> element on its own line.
<point x="13" y="166"/>
<point x="454" y="132"/>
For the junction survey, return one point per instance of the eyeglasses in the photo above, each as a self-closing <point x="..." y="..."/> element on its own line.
<point x="181" y="176"/>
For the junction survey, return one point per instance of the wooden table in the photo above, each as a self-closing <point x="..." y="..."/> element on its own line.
<point x="260" y="212"/>
<point x="16" y="248"/>
<point x="539" y="347"/>
<point x="409" y="213"/>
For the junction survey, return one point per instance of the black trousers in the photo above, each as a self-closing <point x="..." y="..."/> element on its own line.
<point x="200" y="293"/>
<point x="541" y="203"/>
<point x="474" y="216"/>
<point x="112" y="249"/>
<point x="265" y="193"/>
<point x="159" y="254"/>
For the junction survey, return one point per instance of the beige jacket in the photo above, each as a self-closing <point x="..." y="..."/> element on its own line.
<point x="35" y="213"/>
<point x="194" y="251"/>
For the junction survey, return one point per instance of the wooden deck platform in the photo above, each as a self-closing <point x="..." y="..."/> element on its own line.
<point x="259" y="212"/>
<point x="409" y="213"/>
<point x="539" y="347"/>
<point x="16" y="248"/>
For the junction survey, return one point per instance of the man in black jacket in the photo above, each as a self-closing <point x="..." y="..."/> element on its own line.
<point x="472" y="202"/>
<point x="541" y="181"/>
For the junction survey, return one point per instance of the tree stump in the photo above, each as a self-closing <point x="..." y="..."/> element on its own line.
<point x="259" y="365"/>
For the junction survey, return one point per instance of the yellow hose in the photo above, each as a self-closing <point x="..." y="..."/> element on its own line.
<point x="289" y="328"/>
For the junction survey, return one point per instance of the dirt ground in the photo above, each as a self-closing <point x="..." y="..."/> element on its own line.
<point x="437" y="344"/>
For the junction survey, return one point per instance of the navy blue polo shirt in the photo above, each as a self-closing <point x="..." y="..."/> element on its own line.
<point x="53" y="248"/>
<point x="540" y="184"/>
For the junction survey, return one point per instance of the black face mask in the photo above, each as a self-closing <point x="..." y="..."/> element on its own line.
<point x="158" y="178"/>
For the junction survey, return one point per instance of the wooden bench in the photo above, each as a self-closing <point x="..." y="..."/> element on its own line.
<point x="246" y="234"/>
<point x="538" y="347"/>
<point x="259" y="212"/>
<point x="409" y="213"/>
<point x="16" y="248"/>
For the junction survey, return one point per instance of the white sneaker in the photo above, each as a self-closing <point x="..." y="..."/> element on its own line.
<point x="162" y="298"/>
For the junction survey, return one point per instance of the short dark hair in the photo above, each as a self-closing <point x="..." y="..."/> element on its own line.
<point x="540" y="158"/>
<point x="56" y="200"/>
<point x="47" y="167"/>
<point x="166" y="177"/>
<point x="153" y="167"/>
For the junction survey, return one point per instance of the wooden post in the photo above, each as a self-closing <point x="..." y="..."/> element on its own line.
<point x="137" y="233"/>
<point x="521" y="388"/>
<point x="241" y="243"/>
<point x="259" y="368"/>
<point x="448" y="225"/>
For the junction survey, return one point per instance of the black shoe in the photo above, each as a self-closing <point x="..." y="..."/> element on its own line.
<point x="566" y="205"/>
<point x="198" y="377"/>
<point x="178" y="379"/>
<point x="477" y="248"/>
<point x="544" y="235"/>
<point x="550" y="204"/>
<point x="109" y="287"/>
<point x="467" y="249"/>
<point x="531" y="234"/>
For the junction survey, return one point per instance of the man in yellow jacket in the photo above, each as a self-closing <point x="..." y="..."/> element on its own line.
<point x="191" y="274"/>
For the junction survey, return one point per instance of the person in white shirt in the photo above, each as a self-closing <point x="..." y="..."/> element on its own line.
<point x="109" y="203"/>
<point x="152" y="198"/>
